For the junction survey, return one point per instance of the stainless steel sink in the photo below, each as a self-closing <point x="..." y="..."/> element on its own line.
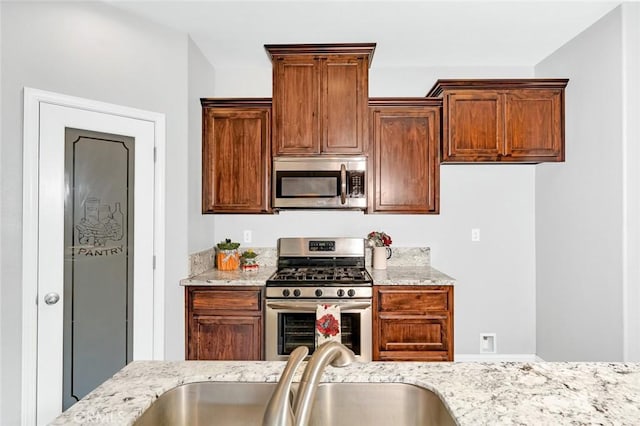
<point x="371" y="404"/>
<point x="374" y="404"/>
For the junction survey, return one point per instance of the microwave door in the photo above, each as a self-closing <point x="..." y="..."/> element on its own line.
<point x="312" y="189"/>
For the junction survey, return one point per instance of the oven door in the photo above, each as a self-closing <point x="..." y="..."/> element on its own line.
<point x="291" y="323"/>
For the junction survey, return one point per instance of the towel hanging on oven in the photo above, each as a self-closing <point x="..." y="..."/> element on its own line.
<point x="327" y="324"/>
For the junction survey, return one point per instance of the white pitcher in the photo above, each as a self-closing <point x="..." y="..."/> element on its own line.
<point x="380" y="256"/>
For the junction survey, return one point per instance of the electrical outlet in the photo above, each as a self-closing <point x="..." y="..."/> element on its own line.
<point x="488" y="343"/>
<point x="247" y="236"/>
<point x="475" y="234"/>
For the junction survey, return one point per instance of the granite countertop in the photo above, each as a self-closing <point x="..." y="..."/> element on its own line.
<point x="410" y="275"/>
<point x="215" y="277"/>
<point x="393" y="275"/>
<point x="475" y="393"/>
<point x="408" y="266"/>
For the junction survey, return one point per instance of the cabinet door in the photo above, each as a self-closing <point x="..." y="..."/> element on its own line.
<point x="344" y="104"/>
<point x="225" y="338"/>
<point x="473" y="126"/>
<point x="406" y="164"/>
<point x="404" y="337"/>
<point x="235" y="160"/>
<point x="534" y="125"/>
<point x="296" y="105"/>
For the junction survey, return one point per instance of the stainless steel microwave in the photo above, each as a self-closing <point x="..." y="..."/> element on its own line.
<point x="319" y="183"/>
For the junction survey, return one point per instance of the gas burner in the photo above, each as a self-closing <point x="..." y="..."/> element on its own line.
<point x="314" y="275"/>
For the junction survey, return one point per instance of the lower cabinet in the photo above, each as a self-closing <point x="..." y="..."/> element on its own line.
<point x="413" y="323"/>
<point x="224" y="323"/>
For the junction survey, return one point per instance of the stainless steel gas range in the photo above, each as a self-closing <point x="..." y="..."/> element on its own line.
<point x="314" y="271"/>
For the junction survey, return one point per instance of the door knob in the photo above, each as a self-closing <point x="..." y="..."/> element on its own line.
<point x="51" y="298"/>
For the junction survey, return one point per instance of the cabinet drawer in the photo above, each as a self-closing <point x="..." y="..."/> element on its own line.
<point x="413" y="300"/>
<point x="225" y="300"/>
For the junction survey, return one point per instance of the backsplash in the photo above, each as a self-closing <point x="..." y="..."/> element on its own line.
<point x="404" y="256"/>
<point x="204" y="260"/>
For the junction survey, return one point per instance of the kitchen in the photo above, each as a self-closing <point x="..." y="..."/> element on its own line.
<point x="520" y="281"/>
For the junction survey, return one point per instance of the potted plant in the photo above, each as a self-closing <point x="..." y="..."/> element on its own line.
<point x="249" y="260"/>
<point x="227" y="255"/>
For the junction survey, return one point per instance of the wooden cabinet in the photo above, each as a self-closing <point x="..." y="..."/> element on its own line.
<point x="236" y="158"/>
<point x="404" y="160"/>
<point x="223" y="323"/>
<point x="320" y="97"/>
<point x="502" y="120"/>
<point x="413" y="323"/>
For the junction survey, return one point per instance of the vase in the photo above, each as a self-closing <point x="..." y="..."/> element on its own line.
<point x="380" y="256"/>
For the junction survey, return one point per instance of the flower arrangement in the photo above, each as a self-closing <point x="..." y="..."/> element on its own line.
<point x="379" y="239"/>
<point x="227" y="257"/>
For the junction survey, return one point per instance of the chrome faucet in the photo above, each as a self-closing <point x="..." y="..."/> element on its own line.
<point x="279" y="411"/>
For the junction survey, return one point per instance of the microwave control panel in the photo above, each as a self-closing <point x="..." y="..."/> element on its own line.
<point x="356" y="184"/>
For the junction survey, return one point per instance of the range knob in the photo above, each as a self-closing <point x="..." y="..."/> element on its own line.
<point x="296" y="292"/>
<point x="340" y="293"/>
<point x="318" y="292"/>
<point x="286" y="292"/>
<point x="351" y="292"/>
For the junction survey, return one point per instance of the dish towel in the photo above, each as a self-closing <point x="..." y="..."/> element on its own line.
<point x="327" y="324"/>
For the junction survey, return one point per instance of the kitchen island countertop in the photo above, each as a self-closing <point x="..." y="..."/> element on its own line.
<point x="538" y="393"/>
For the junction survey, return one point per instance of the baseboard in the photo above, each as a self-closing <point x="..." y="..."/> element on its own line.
<point x="497" y="358"/>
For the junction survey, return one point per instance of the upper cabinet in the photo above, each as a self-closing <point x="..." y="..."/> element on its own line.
<point x="404" y="157"/>
<point x="502" y="120"/>
<point x="236" y="158"/>
<point x="320" y="94"/>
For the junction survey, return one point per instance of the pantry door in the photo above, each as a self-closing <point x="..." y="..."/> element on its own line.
<point x="98" y="297"/>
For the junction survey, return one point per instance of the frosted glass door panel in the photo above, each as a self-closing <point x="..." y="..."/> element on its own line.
<point x="98" y="271"/>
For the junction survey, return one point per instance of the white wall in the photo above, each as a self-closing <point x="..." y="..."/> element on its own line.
<point x="579" y="205"/>
<point x="631" y="149"/>
<point x="496" y="277"/>
<point x="201" y="85"/>
<point x="91" y="50"/>
<point x="1" y="198"/>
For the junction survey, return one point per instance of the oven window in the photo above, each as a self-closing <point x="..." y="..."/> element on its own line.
<point x="298" y="329"/>
<point x="307" y="184"/>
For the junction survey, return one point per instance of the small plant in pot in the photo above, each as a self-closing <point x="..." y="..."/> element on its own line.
<point x="227" y="255"/>
<point x="249" y="260"/>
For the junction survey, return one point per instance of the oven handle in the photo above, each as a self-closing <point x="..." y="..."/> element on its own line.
<point x="311" y="307"/>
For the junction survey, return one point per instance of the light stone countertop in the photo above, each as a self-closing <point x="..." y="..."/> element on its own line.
<point x="215" y="277"/>
<point x="393" y="275"/>
<point x="410" y="275"/>
<point x="475" y="393"/>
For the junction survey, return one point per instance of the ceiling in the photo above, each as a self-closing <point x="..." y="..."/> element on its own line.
<point x="407" y="33"/>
